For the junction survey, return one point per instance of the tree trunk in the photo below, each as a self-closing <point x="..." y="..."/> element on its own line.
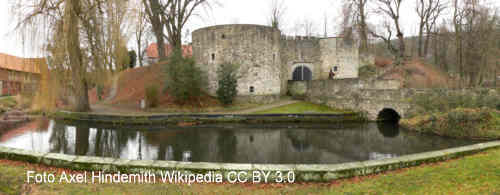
<point x="420" y="40"/>
<point x="402" y="48"/>
<point x="80" y="86"/>
<point x="153" y="9"/>
<point x="426" y="45"/>
<point x="363" y="27"/>
<point x="495" y="79"/>
<point x="160" y="42"/>
<point x="139" y="48"/>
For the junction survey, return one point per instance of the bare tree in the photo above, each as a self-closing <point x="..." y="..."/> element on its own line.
<point x="75" y="39"/>
<point x="477" y="33"/>
<point x="154" y="10"/>
<point x="72" y="10"/>
<point x="387" y="38"/>
<point x="465" y="48"/>
<point x="391" y="8"/>
<point x="308" y="27"/>
<point x="325" y="25"/>
<point x="142" y="30"/>
<point x="277" y="12"/>
<point x="176" y="14"/>
<point x="354" y="18"/>
<point x="458" y="17"/>
<point x="171" y="15"/>
<point x="65" y="22"/>
<point x="428" y="12"/>
<point x="118" y="33"/>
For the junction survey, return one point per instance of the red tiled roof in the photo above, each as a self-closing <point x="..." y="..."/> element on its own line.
<point x="152" y="50"/>
<point x="31" y="65"/>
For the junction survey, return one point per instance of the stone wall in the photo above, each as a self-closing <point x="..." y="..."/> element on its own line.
<point x="355" y="94"/>
<point x="370" y="97"/>
<point x="320" y="55"/>
<point x="297" y="89"/>
<point x="341" y="86"/>
<point x="299" y="51"/>
<point x="336" y="52"/>
<point x="268" y="59"/>
<point x="255" y="48"/>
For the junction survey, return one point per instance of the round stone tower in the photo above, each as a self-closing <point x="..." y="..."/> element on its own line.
<point x="255" y="48"/>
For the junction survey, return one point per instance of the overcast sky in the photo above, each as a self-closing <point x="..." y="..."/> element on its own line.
<point x="237" y="11"/>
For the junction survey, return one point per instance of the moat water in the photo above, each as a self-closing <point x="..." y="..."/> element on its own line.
<point x="230" y="143"/>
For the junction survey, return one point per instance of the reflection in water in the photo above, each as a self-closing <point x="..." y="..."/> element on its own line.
<point x="388" y="129"/>
<point x="298" y="140"/>
<point x="278" y="143"/>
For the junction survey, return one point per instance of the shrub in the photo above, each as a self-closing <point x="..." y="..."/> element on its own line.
<point x="441" y="101"/>
<point x="228" y="82"/>
<point x="100" y="92"/>
<point x="367" y="71"/>
<point x="152" y="93"/>
<point x="459" y="122"/>
<point x="183" y="78"/>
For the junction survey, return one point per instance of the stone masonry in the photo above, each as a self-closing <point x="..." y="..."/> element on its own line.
<point x="370" y="97"/>
<point x="268" y="59"/>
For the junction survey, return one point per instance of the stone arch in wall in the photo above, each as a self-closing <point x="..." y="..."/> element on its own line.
<point x="388" y="114"/>
<point x="301" y="72"/>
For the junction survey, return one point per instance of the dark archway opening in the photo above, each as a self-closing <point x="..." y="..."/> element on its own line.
<point x="388" y="115"/>
<point x="302" y="73"/>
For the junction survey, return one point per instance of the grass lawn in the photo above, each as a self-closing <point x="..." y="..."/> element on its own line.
<point x="7" y="102"/>
<point x="302" y="108"/>
<point x="476" y="174"/>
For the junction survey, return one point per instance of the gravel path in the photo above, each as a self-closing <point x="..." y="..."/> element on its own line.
<point x="114" y="89"/>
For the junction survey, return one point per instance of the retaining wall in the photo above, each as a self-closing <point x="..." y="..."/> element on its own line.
<point x="206" y="118"/>
<point x="302" y="172"/>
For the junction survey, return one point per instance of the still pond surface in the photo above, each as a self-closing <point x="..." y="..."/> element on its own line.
<point x="270" y="143"/>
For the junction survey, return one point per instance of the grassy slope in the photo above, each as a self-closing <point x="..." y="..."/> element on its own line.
<point x="476" y="174"/>
<point x="301" y="108"/>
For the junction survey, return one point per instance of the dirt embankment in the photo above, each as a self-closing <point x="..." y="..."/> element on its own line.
<point x="413" y="74"/>
<point x="132" y="84"/>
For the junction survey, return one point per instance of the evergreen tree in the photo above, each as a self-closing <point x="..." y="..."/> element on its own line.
<point x="228" y="81"/>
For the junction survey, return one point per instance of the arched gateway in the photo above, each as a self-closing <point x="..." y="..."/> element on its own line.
<point x="302" y="73"/>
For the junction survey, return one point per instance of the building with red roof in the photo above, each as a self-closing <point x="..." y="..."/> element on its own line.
<point x="152" y="52"/>
<point x="18" y="73"/>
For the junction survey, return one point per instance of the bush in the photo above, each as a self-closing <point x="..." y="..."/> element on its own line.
<point x="100" y="92"/>
<point x="459" y="122"/>
<point x="152" y="93"/>
<point x="183" y="78"/>
<point x="228" y="82"/>
<point x="367" y="71"/>
<point x="441" y="101"/>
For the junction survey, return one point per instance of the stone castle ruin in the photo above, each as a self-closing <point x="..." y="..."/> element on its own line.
<point x="268" y="59"/>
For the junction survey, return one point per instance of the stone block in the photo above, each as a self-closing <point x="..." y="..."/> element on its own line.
<point x="24" y="155"/>
<point x="90" y="163"/>
<point x="58" y="160"/>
